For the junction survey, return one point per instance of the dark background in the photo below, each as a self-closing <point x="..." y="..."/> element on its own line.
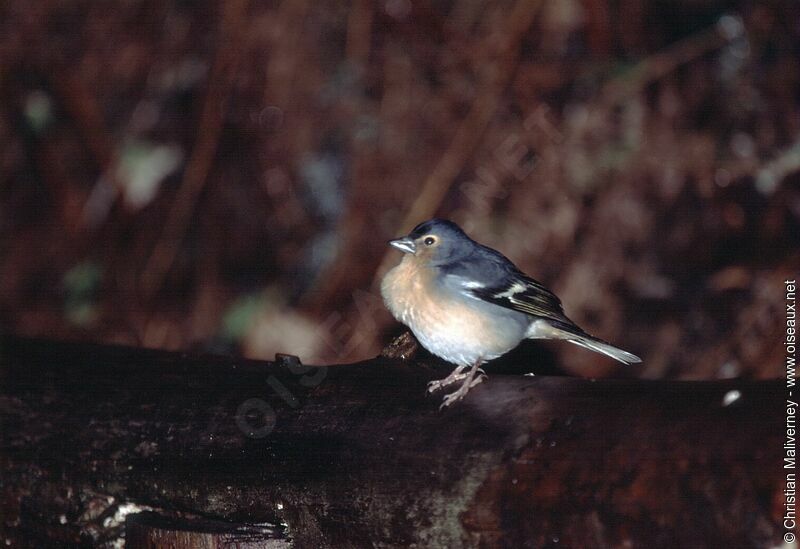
<point x="224" y="175"/>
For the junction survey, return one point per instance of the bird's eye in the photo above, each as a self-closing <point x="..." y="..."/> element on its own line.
<point x="429" y="241"/>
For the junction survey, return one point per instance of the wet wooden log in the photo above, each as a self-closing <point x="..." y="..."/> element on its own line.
<point x="150" y="530"/>
<point x="359" y="455"/>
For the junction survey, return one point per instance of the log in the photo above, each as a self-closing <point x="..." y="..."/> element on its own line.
<point x="149" y="530"/>
<point x="359" y="455"/>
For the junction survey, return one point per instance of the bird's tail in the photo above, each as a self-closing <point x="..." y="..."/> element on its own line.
<point x="607" y="349"/>
<point x="582" y="339"/>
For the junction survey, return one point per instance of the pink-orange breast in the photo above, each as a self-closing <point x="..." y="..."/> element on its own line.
<point x="447" y="323"/>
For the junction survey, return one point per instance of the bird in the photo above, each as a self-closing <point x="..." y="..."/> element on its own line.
<point x="469" y="304"/>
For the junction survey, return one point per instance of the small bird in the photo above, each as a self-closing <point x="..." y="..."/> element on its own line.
<point x="469" y="304"/>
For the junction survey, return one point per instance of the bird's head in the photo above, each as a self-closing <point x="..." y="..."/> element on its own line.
<point x="436" y="242"/>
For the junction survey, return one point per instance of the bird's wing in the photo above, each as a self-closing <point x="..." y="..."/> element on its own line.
<point x="526" y="295"/>
<point x="493" y="278"/>
<point x="489" y="276"/>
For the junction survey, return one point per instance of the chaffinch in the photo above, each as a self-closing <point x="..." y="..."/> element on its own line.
<point x="469" y="304"/>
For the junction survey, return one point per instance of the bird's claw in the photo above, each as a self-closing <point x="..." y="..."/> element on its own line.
<point x="456" y="375"/>
<point x="478" y="379"/>
<point x="451" y="398"/>
<point x="462" y="391"/>
<point x="437" y="384"/>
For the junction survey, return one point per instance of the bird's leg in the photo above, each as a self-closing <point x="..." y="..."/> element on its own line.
<point x="456" y="375"/>
<point x="471" y="379"/>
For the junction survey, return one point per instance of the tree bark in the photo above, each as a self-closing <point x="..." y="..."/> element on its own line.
<point x="359" y="455"/>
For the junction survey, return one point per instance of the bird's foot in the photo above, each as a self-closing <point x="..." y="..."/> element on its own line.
<point x="462" y="391"/>
<point x="481" y="376"/>
<point x="456" y="375"/>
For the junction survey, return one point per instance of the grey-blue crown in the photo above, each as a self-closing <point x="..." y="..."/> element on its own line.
<point x="436" y="226"/>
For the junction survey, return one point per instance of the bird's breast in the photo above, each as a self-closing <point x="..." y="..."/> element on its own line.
<point x="457" y="328"/>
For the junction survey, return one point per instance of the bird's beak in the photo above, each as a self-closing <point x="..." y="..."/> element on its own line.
<point x="405" y="245"/>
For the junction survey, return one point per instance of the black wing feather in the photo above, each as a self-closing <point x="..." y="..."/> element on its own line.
<point x="507" y="286"/>
<point x="526" y="295"/>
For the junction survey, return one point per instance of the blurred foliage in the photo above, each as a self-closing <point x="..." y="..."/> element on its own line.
<point x="80" y="288"/>
<point x="239" y="316"/>
<point x="165" y="162"/>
